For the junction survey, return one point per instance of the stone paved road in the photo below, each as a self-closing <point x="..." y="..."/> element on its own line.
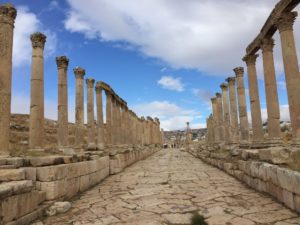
<point x="165" y="189"/>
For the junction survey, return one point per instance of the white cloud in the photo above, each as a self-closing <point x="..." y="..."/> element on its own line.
<point x="204" y="95"/>
<point x="172" y="117"/>
<point x="26" y="24"/>
<point x="171" y="83"/>
<point x="207" y="35"/>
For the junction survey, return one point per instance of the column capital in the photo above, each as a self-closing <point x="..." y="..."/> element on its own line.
<point x="98" y="87"/>
<point x="8" y="14"/>
<point x="231" y="80"/>
<point x="90" y="82"/>
<point x="224" y="86"/>
<point x="213" y="100"/>
<point x="62" y="62"/>
<point x="239" y="71"/>
<point x="79" y="72"/>
<point x="286" y="21"/>
<point x="218" y="95"/>
<point x="38" y="40"/>
<point x="267" y="45"/>
<point x="250" y="59"/>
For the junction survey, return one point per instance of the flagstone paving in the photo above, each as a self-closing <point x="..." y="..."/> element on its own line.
<point x="166" y="189"/>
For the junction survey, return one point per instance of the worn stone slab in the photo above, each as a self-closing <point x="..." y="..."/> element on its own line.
<point x="12" y="174"/>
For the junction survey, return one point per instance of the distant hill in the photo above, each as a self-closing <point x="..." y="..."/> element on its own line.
<point x="197" y="134"/>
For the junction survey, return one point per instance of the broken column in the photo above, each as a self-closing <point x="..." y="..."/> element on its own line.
<point x="90" y="114"/>
<point x="36" y="121"/>
<point x="79" y="110"/>
<point x="244" y="126"/>
<point x="62" y="118"/>
<point x="7" y="19"/>
<point x="257" y="128"/>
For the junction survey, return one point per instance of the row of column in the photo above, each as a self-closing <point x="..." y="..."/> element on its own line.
<point x="221" y="125"/>
<point x="122" y="125"/>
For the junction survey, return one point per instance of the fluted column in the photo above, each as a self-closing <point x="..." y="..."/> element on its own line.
<point x="100" y="124"/>
<point x="216" y="129"/>
<point x="271" y="89"/>
<point x="244" y="126"/>
<point x="257" y="128"/>
<point x="109" y="105"/>
<point x="291" y="68"/>
<point x="90" y="113"/>
<point x="7" y="19"/>
<point x="220" y="117"/>
<point x="79" y="108"/>
<point x="227" y="133"/>
<point x="36" y="121"/>
<point x="62" y="63"/>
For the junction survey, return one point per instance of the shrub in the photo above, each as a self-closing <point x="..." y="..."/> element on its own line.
<point x="198" y="219"/>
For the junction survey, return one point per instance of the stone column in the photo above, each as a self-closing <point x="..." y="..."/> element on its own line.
<point x="100" y="124"/>
<point x="244" y="125"/>
<point x="7" y="19"/>
<point x="90" y="114"/>
<point x="62" y="63"/>
<point x="271" y="89"/>
<point x="79" y="108"/>
<point x="36" y="121"/>
<point x="258" y="134"/>
<point x="224" y="88"/>
<point x="109" y="104"/>
<point x="220" y="117"/>
<point x="216" y="129"/>
<point x="234" y="125"/>
<point x="291" y="68"/>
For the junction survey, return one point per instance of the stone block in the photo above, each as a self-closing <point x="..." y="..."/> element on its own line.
<point x="288" y="199"/>
<point x="12" y="174"/>
<point x="84" y="182"/>
<point x="272" y="174"/>
<point x="242" y="165"/>
<point x="17" y="206"/>
<point x="73" y="186"/>
<point x="275" y="155"/>
<point x="297" y="202"/>
<point x="52" y="173"/>
<point x="262" y="186"/>
<point x="17" y="162"/>
<point x="262" y="171"/>
<point x="289" y="180"/>
<point x="53" y="189"/>
<point x="30" y="173"/>
<point x="239" y="174"/>
<point x="275" y="191"/>
<point x="28" y="218"/>
<point x="46" y="161"/>
<point x="254" y="169"/>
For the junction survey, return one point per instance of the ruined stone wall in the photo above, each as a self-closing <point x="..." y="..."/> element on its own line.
<point x="19" y="137"/>
<point x="274" y="171"/>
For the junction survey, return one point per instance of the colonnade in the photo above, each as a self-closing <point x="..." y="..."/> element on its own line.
<point x="122" y="125"/>
<point x="223" y="125"/>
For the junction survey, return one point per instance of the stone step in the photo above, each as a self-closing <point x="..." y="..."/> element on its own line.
<point x="8" y="189"/>
<point x="12" y="174"/>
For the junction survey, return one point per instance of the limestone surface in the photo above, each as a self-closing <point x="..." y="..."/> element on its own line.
<point x="167" y="188"/>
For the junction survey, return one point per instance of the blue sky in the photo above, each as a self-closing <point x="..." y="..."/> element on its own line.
<point x="166" y="58"/>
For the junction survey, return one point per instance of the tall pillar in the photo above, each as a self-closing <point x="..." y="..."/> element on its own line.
<point x="220" y="117"/>
<point x="62" y="118"/>
<point x="36" y="121"/>
<point x="244" y="125"/>
<point x="216" y="129"/>
<point x="234" y="125"/>
<point x="291" y="68"/>
<point x="100" y="124"/>
<point x="109" y="105"/>
<point x="79" y="110"/>
<point x="271" y="89"/>
<point x="257" y="128"/>
<point x="7" y="19"/>
<point x="224" y="88"/>
<point x="90" y="113"/>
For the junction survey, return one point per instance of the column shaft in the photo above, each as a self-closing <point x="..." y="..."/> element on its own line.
<point x="7" y="19"/>
<point x="220" y="117"/>
<point x="224" y="88"/>
<point x="100" y="124"/>
<point x="217" y="138"/>
<point x="271" y="89"/>
<point x="36" y="121"/>
<point x="109" y="106"/>
<point x="90" y="113"/>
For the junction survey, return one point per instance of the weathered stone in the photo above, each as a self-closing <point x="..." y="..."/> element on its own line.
<point x="297" y="202"/>
<point x="58" y="207"/>
<point x="12" y="174"/>
<point x="276" y="155"/>
<point x="288" y="199"/>
<point x="46" y="161"/>
<point x="52" y="173"/>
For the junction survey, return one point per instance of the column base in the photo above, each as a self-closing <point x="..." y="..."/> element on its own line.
<point x="92" y="147"/>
